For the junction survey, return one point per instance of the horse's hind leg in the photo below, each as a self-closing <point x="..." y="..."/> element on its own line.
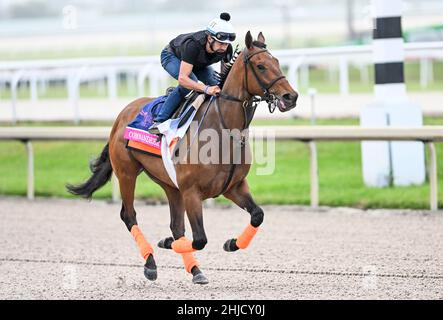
<point x="127" y="179"/>
<point x="177" y="214"/>
<point x="241" y="196"/>
<point x="177" y="225"/>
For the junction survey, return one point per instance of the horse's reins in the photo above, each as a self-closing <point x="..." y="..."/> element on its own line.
<point x="269" y="98"/>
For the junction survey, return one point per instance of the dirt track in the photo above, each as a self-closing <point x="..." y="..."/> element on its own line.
<point x="64" y="249"/>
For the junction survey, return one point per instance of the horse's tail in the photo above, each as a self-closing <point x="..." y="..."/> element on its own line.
<point x="101" y="173"/>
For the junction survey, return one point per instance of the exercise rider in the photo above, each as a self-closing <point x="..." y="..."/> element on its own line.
<point x="188" y="58"/>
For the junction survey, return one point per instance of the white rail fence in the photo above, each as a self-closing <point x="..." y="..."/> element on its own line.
<point x="308" y="134"/>
<point x="73" y="72"/>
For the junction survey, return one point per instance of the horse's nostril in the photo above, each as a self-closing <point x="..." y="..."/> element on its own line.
<point x="287" y="96"/>
<point x="290" y="97"/>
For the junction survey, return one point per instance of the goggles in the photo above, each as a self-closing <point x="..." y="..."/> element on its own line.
<point x="223" y="36"/>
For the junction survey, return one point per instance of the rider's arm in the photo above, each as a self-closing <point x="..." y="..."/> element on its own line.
<point x="185" y="81"/>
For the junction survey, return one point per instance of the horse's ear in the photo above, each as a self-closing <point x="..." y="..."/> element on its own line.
<point x="261" y="37"/>
<point x="248" y="40"/>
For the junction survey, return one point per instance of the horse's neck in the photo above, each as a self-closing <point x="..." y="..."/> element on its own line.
<point x="235" y="84"/>
<point x="232" y="111"/>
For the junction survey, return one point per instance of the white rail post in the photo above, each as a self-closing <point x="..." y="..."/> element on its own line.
<point x="314" y="174"/>
<point x="73" y="95"/>
<point x="313" y="155"/>
<point x="344" y="76"/>
<point x="312" y="92"/>
<point x="42" y="86"/>
<point x="143" y="72"/>
<point x="364" y="73"/>
<point x="304" y="75"/>
<point x="33" y="86"/>
<point x="112" y="83"/>
<point x="30" y="184"/>
<point x="14" y="84"/>
<point x="426" y="72"/>
<point x="293" y="74"/>
<point x="433" y="183"/>
<point x="423" y="73"/>
<point x="74" y="82"/>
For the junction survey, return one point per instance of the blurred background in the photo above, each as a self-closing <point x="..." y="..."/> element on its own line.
<point x="80" y="62"/>
<point x="36" y="30"/>
<point x="57" y="28"/>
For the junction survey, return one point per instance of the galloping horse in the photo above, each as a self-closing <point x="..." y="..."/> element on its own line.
<point x="254" y="75"/>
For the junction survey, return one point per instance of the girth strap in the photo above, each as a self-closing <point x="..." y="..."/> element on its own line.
<point x="242" y="143"/>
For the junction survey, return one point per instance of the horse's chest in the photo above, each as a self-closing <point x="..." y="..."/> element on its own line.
<point x="211" y="179"/>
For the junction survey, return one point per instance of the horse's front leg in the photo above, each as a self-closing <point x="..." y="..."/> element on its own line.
<point x="177" y="210"/>
<point x="241" y="196"/>
<point x="194" y="210"/>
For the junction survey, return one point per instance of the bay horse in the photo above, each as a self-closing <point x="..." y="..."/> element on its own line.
<point x="253" y="76"/>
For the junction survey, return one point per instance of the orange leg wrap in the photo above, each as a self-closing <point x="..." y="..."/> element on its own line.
<point x="245" y="238"/>
<point x="182" y="245"/>
<point x="143" y="245"/>
<point x="189" y="261"/>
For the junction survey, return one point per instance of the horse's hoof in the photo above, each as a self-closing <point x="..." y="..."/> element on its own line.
<point x="150" y="268"/>
<point x="166" y="243"/>
<point x="200" y="278"/>
<point x="150" y="274"/>
<point x="230" y="245"/>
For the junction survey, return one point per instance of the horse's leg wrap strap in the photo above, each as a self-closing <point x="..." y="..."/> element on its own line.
<point x="245" y="238"/>
<point x="189" y="261"/>
<point x="143" y="245"/>
<point x="182" y="245"/>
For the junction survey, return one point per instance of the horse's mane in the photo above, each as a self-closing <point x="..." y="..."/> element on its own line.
<point x="226" y="67"/>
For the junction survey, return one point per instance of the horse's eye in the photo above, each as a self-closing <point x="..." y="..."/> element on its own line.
<point x="261" y="67"/>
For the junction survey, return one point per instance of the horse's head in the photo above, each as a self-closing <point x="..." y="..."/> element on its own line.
<point x="264" y="77"/>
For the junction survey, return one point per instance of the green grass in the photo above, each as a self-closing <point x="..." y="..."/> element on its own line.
<point x="57" y="163"/>
<point x="340" y="175"/>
